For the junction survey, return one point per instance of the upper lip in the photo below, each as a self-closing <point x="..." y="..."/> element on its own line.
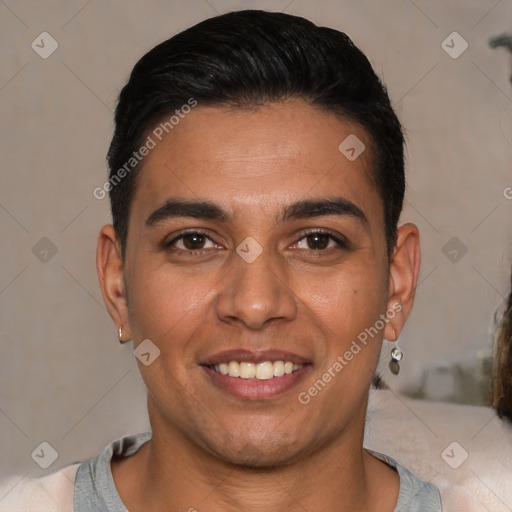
<point x="253" y="356"/>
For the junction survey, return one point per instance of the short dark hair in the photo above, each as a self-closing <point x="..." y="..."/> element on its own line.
<point x="248" y="58"/>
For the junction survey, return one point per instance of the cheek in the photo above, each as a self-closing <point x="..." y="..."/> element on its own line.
<point x="346" y="307"/>
<point x="168" y="308"/>
<point x="347" y="301"/>
<point x="164" y="304"/>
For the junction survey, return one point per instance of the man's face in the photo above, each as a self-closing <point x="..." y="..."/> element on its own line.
<point x="271" y="250"/>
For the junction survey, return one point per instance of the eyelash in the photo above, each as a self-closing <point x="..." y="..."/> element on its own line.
<point x="340" y="241"/>
<point x="169" y="245"/>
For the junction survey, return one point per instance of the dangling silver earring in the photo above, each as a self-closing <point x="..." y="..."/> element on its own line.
<point x="396" y="357"/>
<point x="120" y="335"/>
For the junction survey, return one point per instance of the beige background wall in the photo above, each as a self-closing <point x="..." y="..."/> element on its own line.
<point x="64" y="379"/>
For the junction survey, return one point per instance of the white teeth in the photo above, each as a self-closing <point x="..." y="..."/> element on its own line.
<point x="247" y="370"/>
<point x="233" y="369"/>
<point x="278" y="369"/>
<point x="262" y="371"/>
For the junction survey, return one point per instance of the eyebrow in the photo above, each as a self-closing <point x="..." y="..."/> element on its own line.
<point x="207" y="210"/>
<point x="316" y="208"/>
<point x="181" y="208"/>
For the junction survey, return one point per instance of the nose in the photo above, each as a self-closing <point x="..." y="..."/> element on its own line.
<point x="255" y="294"/>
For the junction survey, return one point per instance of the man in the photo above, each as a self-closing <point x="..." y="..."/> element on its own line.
<point x="256" y="181"/>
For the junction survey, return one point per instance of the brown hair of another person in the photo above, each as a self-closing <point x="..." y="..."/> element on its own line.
<point x="502" y="368"/>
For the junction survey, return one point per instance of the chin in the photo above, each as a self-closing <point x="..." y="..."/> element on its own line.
<point x="258" y="457"/>
<point x="261" y="449"/>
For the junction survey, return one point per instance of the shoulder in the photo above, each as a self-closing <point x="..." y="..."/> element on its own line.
<point x="94" y="485"/>
<point x="57" y="491"/>
<point x="415" y="495"/>
<point x="464" y="450"/>
<point x="51" y="493"/>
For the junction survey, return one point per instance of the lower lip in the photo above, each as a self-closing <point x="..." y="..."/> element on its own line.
<point x="253" y="389"/>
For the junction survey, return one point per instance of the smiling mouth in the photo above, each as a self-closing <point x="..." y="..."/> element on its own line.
<point x="264" y="370"/>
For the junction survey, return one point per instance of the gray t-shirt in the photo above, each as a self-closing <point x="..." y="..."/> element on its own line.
<point x="95" y="490"/>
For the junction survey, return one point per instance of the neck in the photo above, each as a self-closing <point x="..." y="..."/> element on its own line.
<point x="171" y="468"/>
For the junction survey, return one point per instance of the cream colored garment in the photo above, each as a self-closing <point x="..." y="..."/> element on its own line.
<point x="51" y="493"/>
<point x="421" y="436"/>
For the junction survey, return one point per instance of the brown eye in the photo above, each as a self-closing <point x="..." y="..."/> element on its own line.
<point x="318" y="241"/>
<point x="194" y="241"/>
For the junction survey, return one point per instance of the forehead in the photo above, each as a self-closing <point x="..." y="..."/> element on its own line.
<point x="262" y="157"/>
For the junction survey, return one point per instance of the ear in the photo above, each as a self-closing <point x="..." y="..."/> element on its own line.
<point x="109" y="265"/>
<point x="404" y="269"/>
